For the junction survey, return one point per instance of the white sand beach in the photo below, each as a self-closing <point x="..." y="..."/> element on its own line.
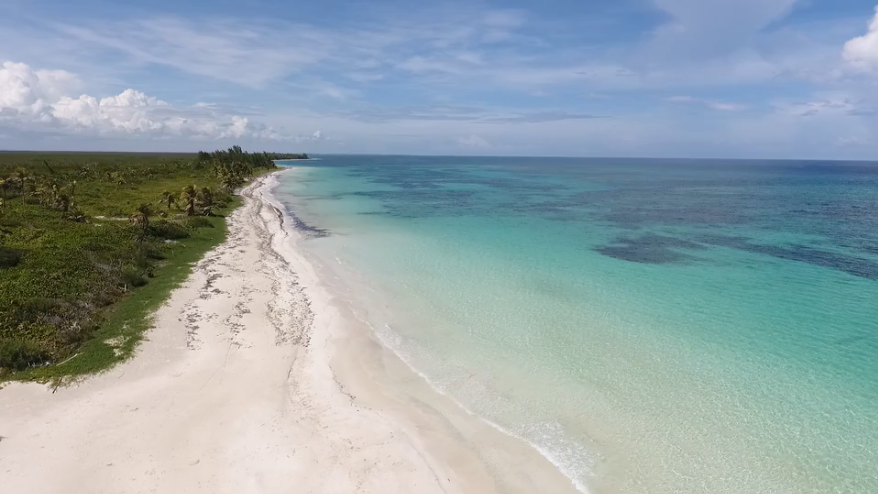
<point x="256" y="379"/>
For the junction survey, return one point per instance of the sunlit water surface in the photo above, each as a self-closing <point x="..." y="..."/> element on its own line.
<point x="652" y="326"/>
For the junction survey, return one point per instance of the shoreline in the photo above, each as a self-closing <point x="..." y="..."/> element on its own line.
<point x="510" y="463"/>
<point x="255" y="379"/>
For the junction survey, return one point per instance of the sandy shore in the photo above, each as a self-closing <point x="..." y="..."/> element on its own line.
<point x="256" y="379"/>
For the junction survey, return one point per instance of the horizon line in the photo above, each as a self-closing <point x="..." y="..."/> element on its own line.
<point x="837" y="160"/>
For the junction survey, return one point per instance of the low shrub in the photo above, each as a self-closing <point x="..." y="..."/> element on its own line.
<point x="168" y="230"/>
<point x="9" y="257"/>
<point x="19" y="354"/>
<point x="194" y="222"/>
<point x="131" y="277"/>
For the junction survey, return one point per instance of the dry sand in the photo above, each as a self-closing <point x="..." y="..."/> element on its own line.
<point x="256" y="379"/>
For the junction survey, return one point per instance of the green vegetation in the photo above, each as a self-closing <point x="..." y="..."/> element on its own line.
<point x="92" y="243"/>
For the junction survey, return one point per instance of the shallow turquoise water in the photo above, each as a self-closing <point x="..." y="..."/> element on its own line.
<point x="650" y="326"/>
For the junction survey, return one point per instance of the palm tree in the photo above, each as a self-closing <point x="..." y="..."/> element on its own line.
<point x="52" y="186"/>
<point x="22" y="176"/>
<point x="205" y="201"/>
<point x="74" y="214"/>
<point x="41" y="192"/>
<point x="115" y="177"/>
<point x="140" y="218"/>
<point x="63" y="202"/>
<point x="169" y="199"/>
<point x="228" y="182"/>
<point x="188" y="197"/>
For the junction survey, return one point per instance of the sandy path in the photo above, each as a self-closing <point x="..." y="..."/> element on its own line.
<point x="234" y="392"/>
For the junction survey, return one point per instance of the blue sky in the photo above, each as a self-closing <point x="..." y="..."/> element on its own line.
<point x="670" y="78"/>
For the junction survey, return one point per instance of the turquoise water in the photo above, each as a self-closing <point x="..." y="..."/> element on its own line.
<point x="651" y="326"/>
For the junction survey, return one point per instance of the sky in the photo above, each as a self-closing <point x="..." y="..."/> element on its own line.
<point x="639" y="78"/>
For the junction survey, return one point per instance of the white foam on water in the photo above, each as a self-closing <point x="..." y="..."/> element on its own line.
<point x="549" y="439"/>
<point x="569" y="457"/>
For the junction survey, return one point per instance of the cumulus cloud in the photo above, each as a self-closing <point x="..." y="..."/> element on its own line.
<point x="862" y="52"/>
<point x="40" y="99"/>
<point x="26" y="92"/>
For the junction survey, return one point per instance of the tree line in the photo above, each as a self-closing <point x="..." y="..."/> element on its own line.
<point x="232" y="167"/>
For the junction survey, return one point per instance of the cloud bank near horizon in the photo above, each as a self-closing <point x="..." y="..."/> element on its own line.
<point x="41" y="100"/>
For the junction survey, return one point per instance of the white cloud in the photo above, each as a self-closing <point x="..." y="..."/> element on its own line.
<point x="508" y="19"/>
<point x="317" y="135"/>
<point x="722" y="106"/>
<point x="463" y="57"/>
<point x="263" y="52"/>
<point x="827" y="105"/>
<point x="249" y="55"/>
<point x="365" y="77"/>
<point x="712" y="104"/>
<point x="25" y="92"/>
<point x="474" y="141"/>
<point x="335" y="92"/>
<point x="499" y="25"/>
<point x="862" y="52"/>
<point x="461" y="114"/>
<point x="470" y="57"/>
<point x="39" y="100"/>
<point x="851" y="141"/>
<point x="718" y="42"/>
<point x="743" y="14"/>
<point x="419" y="65"/>
<point x="704" y="29"/>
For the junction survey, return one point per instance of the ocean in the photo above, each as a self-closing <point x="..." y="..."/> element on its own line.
<point x="650" y="326"/>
